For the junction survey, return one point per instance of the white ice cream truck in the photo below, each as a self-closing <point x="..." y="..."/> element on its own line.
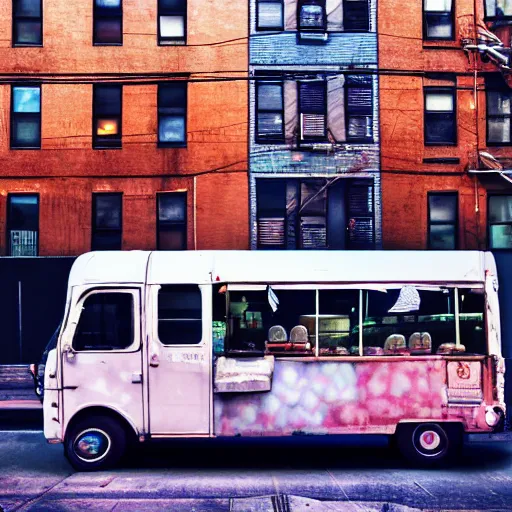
<point x="255" y="343"/>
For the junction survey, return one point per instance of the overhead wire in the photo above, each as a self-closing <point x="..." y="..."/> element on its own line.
<point x="155" y="78"/>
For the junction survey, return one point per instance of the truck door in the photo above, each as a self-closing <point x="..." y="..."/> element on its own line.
<point x="179" y="372"/>
<point x="102" y="356"/>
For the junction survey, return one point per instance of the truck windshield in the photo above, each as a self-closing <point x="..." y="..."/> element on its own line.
<point x="51" y="344"/>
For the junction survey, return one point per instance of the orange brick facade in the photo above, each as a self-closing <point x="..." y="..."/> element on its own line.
<point x="66" y="171"/>
<point x="410" y="169"/>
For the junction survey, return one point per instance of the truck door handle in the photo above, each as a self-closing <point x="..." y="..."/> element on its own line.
<point x="136" y="377"/>
<point x="70" y="353"/>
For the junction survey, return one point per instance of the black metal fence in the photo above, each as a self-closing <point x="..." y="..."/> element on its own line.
<point x="32" y="297"/>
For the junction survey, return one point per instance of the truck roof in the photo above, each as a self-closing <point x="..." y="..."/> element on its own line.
<point x="158" y="267"/>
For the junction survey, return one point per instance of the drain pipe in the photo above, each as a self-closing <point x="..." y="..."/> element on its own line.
<point x="195" y="213"/>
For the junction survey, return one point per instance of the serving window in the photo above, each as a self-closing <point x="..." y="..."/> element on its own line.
<point x="269" y="321"/>
<point x="471" y="321"/>
<point x="306" y="320"/>
<point x="338" y="319"/>
<point x="408" y="320"/>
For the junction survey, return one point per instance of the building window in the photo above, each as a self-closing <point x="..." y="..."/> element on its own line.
<point x="269" y="15"/>
<point x="271" y="213"/>
<point x="27" y="23"/>
<point x="172" y="114"/>
<point x="107" y="116"/>
<point x="180" y="314"/>
<point x="172" y="22"/>
<point x="440" y="125"/>
<point x="108" y="22"/>
<point x="107" y="219"/>
<point x="22" y="224"/>
<point x="359" y="108"/>
<point x="500" y="9"/>
<point x="270" y="112"/>
<point x="314" y="214"/>
<point x="438" y="19"/>
<point x="172" y="221"/>
<point x="26" y="117"/>
<point x="312" y="110"/>
<point x="499" y="116"/>
<point x="500" y="222"/>
<point x="311" y="15"/>
<point x="442" y="221"/>
<point x="356" y="16"/>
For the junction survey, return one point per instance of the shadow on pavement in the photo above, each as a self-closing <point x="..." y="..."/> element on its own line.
<point x="345" y="452"/>
<point x="297" y="452"/>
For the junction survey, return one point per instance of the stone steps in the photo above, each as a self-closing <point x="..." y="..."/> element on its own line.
<point x="16" y="386"/>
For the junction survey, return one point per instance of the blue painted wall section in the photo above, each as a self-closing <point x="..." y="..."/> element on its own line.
<point x="342" y="49"/>
<point x="343" y="53"/>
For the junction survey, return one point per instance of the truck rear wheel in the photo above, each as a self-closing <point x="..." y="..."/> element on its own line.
<point x="427" y="443"/>
<point x="94" y="443"/>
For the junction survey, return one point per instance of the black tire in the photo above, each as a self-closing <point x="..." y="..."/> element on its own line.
<point x="393" y="442"/>
<point x="94" y="443"/>
<point x="428" y="444"/>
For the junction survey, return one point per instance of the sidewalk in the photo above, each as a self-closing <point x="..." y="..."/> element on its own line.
<point x="20" y="409"/>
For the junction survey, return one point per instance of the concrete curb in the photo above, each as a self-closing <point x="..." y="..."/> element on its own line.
<point x="275" y="503"/>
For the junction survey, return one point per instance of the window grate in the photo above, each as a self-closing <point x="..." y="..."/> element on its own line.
<point x="23" y="243"/>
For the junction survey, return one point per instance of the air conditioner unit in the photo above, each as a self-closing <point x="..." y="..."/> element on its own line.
<point x="271" y="231"/>
<point x="320" y="37"/>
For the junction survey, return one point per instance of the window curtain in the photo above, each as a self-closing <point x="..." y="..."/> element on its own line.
<point x="334" y="10"/>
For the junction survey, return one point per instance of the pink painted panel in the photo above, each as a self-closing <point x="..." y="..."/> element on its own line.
<point x="324" y="397"/>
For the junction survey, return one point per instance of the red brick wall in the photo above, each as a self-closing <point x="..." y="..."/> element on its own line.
<point x="406" y="178"/>
<point x="67" y="40"/>
<point x="66" y="210"/>
<point x="66" y="170"/>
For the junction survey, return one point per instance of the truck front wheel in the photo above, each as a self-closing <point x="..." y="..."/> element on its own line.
<point x="93" y="443"/>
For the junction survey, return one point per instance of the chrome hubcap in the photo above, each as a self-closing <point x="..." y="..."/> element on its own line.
<point x="92" y="445"/>
<point x="430" y="440"/>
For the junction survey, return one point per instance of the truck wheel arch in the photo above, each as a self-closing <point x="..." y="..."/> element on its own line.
<point x="95" y="410"/>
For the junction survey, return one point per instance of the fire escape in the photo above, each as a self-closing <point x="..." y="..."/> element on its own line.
<point x="489" y="45"/>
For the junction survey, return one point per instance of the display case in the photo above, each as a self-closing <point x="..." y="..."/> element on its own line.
<point x="333" y="332"/>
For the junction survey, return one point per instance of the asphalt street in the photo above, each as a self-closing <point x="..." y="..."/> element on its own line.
<point x="281" y="475"/>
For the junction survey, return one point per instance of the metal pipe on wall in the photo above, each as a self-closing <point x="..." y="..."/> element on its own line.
<point x="20" y="325"/>
<point x="195" y="213"/>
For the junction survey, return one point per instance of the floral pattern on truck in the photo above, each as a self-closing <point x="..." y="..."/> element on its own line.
<point x="325" y="397"/>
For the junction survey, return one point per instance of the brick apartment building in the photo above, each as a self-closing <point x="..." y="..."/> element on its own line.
<point x="129" y="127"/>
<point x="314" y="125"/>
<point x="445" y="125"/>
<point x="123" y="125"/>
